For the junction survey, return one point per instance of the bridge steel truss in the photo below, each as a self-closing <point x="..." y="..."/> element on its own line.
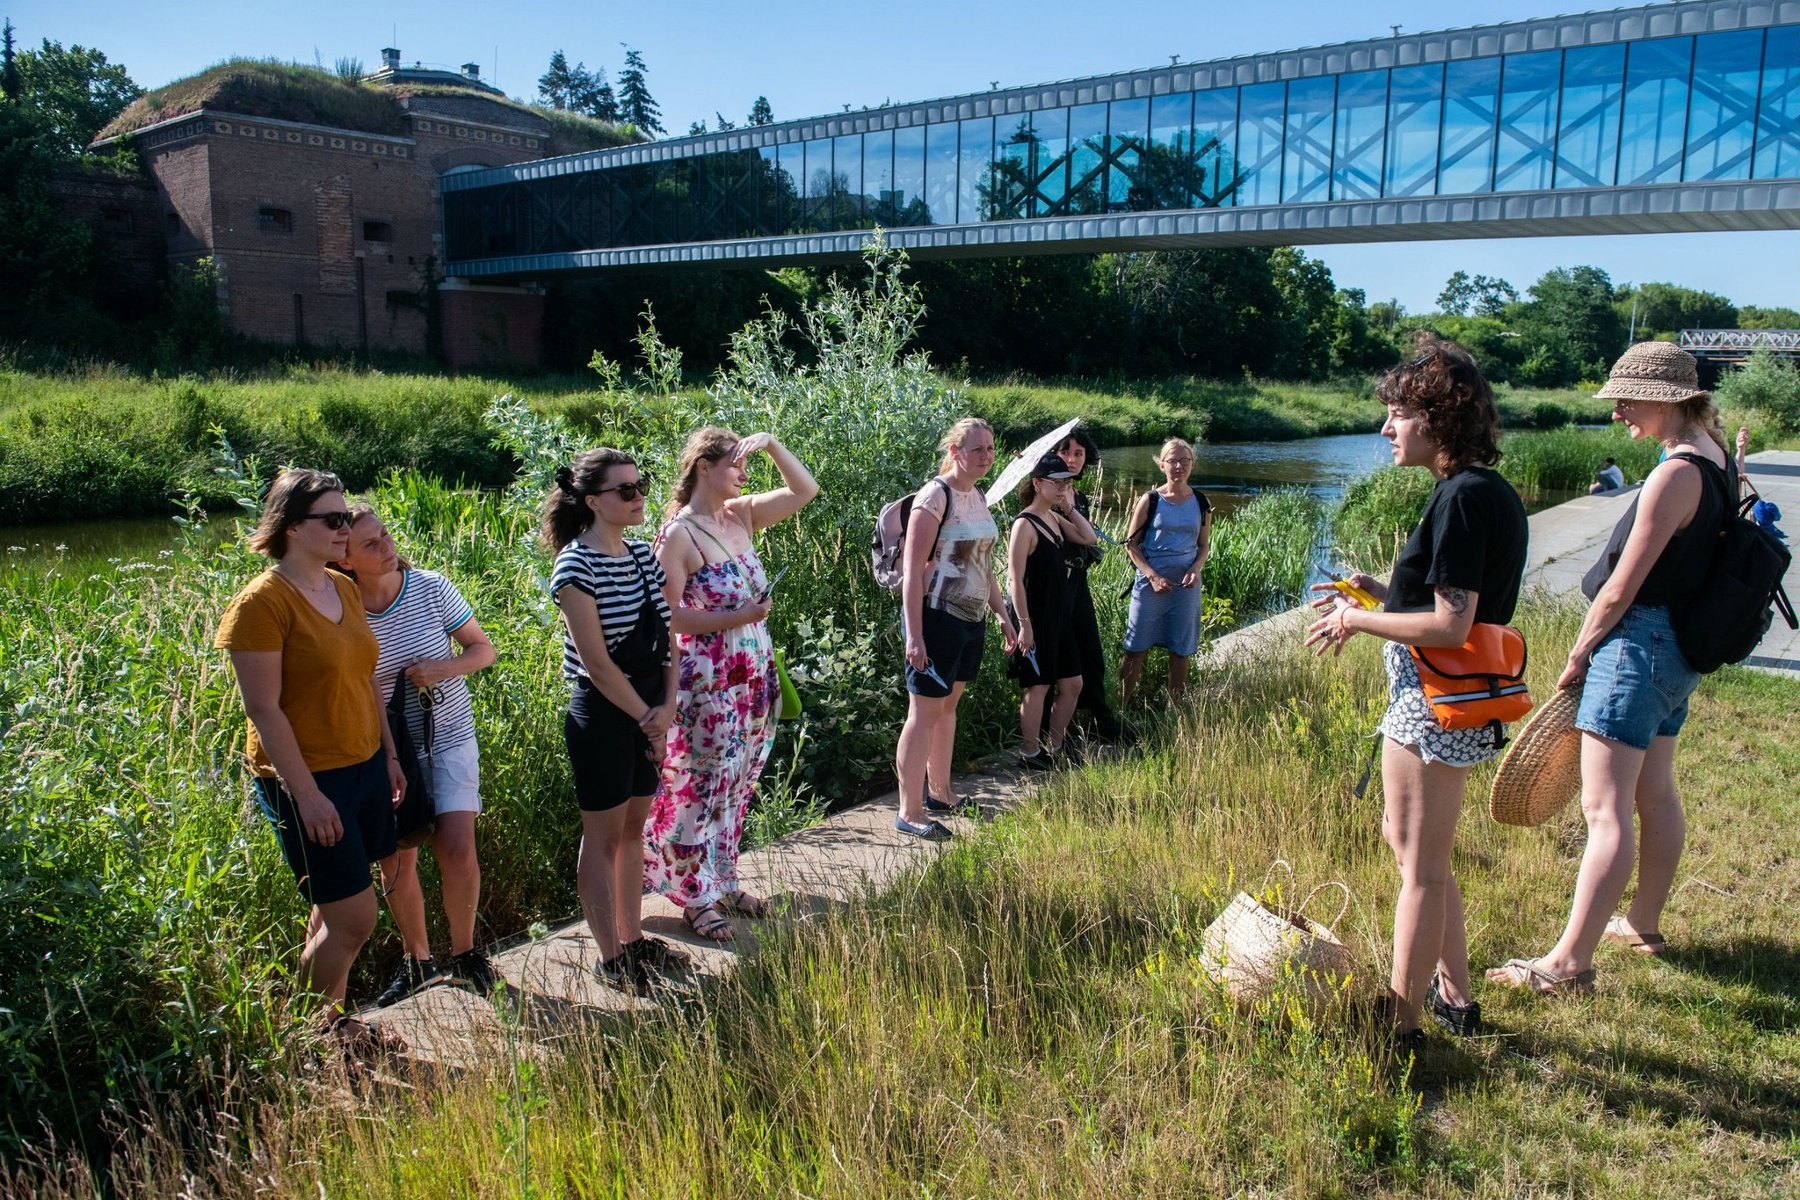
<point x="1679" y="117"/>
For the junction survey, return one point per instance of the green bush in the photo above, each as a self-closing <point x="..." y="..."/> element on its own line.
<point x="1768" y="385"/>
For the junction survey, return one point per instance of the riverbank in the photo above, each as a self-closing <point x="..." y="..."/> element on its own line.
<point x="107" y="443"/>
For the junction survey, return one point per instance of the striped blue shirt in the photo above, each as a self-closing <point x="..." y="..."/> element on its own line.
<point x="417" y="626"/>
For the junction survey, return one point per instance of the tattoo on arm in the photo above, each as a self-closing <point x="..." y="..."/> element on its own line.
<point x="1455" y="599"/>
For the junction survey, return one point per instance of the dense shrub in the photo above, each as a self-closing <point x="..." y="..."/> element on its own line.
<point x="1767" y="385"/>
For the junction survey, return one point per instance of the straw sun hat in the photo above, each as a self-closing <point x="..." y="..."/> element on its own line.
<point x="1653" y="371"/>
<point x="1542" y="768"/>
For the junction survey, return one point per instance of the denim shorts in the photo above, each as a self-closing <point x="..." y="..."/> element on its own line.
<point x="1638" y="681"/>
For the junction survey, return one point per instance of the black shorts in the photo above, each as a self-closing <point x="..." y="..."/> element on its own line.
<point x="608" y="753"/>
<point x="954" y="646"/>
<point x="327" y="874"/>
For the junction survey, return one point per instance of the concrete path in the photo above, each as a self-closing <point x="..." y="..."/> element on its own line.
<point x="857" y="850"/>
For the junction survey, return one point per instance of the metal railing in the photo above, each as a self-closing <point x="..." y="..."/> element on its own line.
<point x="1739" y="341"/>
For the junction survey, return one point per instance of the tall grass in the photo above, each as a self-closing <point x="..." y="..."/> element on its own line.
<point x="1027" y="1015"/>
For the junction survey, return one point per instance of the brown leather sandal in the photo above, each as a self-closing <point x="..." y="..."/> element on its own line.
<point x="1617" y="934"/>
<point x="745" y="905"/>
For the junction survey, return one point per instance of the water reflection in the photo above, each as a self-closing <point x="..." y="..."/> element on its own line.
<point x="1234" y="473"/>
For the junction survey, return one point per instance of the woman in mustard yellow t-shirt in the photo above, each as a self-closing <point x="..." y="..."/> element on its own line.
<point x="319" y="744"/>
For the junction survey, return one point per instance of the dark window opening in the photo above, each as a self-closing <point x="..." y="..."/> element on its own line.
<point x="377" y="231"/>
<point x="274" y="220"/>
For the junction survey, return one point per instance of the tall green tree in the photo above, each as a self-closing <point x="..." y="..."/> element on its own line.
<point x="76" y="91"/>
<point x="636" y="106"/>
<point x="1570" y="317"/>
<point x="46" y="260"/>
<point x="10" y="83"/>
<point x="1667" y="308"/>
<point x="557" y="84"/>
<point x="761" y="113"/>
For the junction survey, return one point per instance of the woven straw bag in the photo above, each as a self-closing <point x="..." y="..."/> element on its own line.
<point x="1542" y="768"/>
<point x="1253" y="946"/>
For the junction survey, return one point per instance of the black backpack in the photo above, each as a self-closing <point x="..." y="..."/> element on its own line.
<point x="1729" y="615"/>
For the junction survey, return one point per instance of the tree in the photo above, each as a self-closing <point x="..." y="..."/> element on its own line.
<point x="1753" y="316"/>
<point x="76" y="91"/>
<point x="636" y="106"/>
<point x="556" y="85"/>
<point x="696" y="128"/>
<point x="1458" y="294"/>
<point x="1308" y="310"/>
<point x="597" y="99"/>
<point x="720" y="123"/>
<point x="1669" y="308"/>
<point x="761" y="113"/>
<point x="10" y="83"/>
<point x="1571" y="318"/>
<point x="1487" y="296"/>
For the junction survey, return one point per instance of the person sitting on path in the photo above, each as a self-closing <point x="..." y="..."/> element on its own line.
<point x="429" y="635"/>
<point x="1634" y="680"/>
<point x="1079" y="451"/>
<point x="729" y="694"/>
<point x="1463" y="563"/>
<point x="319" y="745"/>
<point x="947" y="591"/>
<point x="616" y="655"/>
<point x="1609" y="478"/>
<point x="1042" y="593"/>
<point x="1170" y="539"/>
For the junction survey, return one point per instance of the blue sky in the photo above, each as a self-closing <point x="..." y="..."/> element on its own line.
<point x="810" y="57"/>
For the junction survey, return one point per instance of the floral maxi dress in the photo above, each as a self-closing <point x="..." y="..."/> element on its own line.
<point x="724" y="727"/>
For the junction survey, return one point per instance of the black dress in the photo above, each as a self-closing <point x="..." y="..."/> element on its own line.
<point x="1049" y="599"/>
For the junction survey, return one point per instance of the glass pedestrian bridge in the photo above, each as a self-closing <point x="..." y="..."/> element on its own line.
<point x="1670" y="118"/>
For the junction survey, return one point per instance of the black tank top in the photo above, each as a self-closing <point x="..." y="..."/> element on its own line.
<point x="1680" y="571"/>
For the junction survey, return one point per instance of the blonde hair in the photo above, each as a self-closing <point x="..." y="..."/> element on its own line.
<point x="959" y="433"/>
<point x="1700" y="409"/>
<point x="711" y="444"/>
<point x="1175" y="444"/>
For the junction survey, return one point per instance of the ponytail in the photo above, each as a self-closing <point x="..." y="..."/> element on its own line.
<point x="566" y="515"/>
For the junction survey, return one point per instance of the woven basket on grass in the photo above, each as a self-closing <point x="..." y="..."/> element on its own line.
<point x="1253" y="946"/>
<point x="1541" y="771"/>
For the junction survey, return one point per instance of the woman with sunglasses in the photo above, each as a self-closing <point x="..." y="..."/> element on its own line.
<point x="728" y="692"/>
<point x="319" y="746"/>
<point x="429" y="640"/>
<point x="616" y="657"/>
<point x="1463" y="563"/>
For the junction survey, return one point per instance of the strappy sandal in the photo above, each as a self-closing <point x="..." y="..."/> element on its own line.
<point x="745" y="905"/>
<point x="1650" y="944"/>
<point x="363" y="1041"/>
<point x="707" y="922"/>
<point x="1524" y="973"/>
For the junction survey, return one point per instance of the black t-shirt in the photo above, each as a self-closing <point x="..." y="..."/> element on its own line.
<point x="1472" y="536"/>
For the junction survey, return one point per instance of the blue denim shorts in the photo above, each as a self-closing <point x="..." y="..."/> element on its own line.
<point x="1638" y="682"/>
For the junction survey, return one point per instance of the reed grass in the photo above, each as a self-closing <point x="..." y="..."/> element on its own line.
<point x="1027" y="1015"/>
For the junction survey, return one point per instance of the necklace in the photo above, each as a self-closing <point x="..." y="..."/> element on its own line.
<point x="319" y="589"/>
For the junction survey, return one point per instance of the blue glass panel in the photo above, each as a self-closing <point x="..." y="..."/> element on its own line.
<point x="940" y="174"/>
<point x="909" y="175"/>
<point x="1587" y="129"/>
<point x="1087" y="159"/>
<point x="880" y="202"/>
<point x="1471" y="110"/>
<point x="1415" y="109"/>
<point x="1127" y="128"/>
<point x="772" y="196"/>
<point x="974" y="158"/>
<point x="1528" y="92"/>
<point x="1215" y="154"/>
<point x="1722" y="106"/>
<point x="1168" y="170"/>
<point x="815" y="187"/>
<point x="1778" y="113"/>
<point x="1361" y="135"/>
<point x="1012" y="168"/>
<point x="1047" y="183"/>
<point x="845" y="192"/>
<point x="1306" y="149"/>
<point x="1259" y="143"/>
<point x="1654" y="124"/>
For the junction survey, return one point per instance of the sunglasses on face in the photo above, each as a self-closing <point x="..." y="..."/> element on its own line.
<point x="333" y="520"/>
<point x="628" y="491"/>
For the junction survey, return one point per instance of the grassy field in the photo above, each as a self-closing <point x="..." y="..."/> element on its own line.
<point x="1027" y="1016"/>
<point x="103" y="442"/>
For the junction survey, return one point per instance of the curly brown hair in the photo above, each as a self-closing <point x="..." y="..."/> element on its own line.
<point x="1442" y="384"/>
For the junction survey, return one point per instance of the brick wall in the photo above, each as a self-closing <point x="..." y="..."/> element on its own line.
<point x="126" y="217"/>
<point x="492" y="326"/>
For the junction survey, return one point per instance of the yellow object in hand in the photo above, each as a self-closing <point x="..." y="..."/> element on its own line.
<point x="1362" y="598"/>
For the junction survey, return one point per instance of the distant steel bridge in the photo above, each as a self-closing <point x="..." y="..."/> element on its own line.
<point x="1736" y="345"/>
<point x="1666" y="118"/>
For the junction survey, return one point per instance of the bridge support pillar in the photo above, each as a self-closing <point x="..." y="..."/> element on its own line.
<point x="488" y="325"/>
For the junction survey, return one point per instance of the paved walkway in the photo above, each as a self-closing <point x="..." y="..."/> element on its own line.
<point x="858" y="850"/>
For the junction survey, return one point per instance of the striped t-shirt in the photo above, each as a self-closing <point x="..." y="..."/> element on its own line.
<point x="617" y="586"/>
<point x="417" y="626"/>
